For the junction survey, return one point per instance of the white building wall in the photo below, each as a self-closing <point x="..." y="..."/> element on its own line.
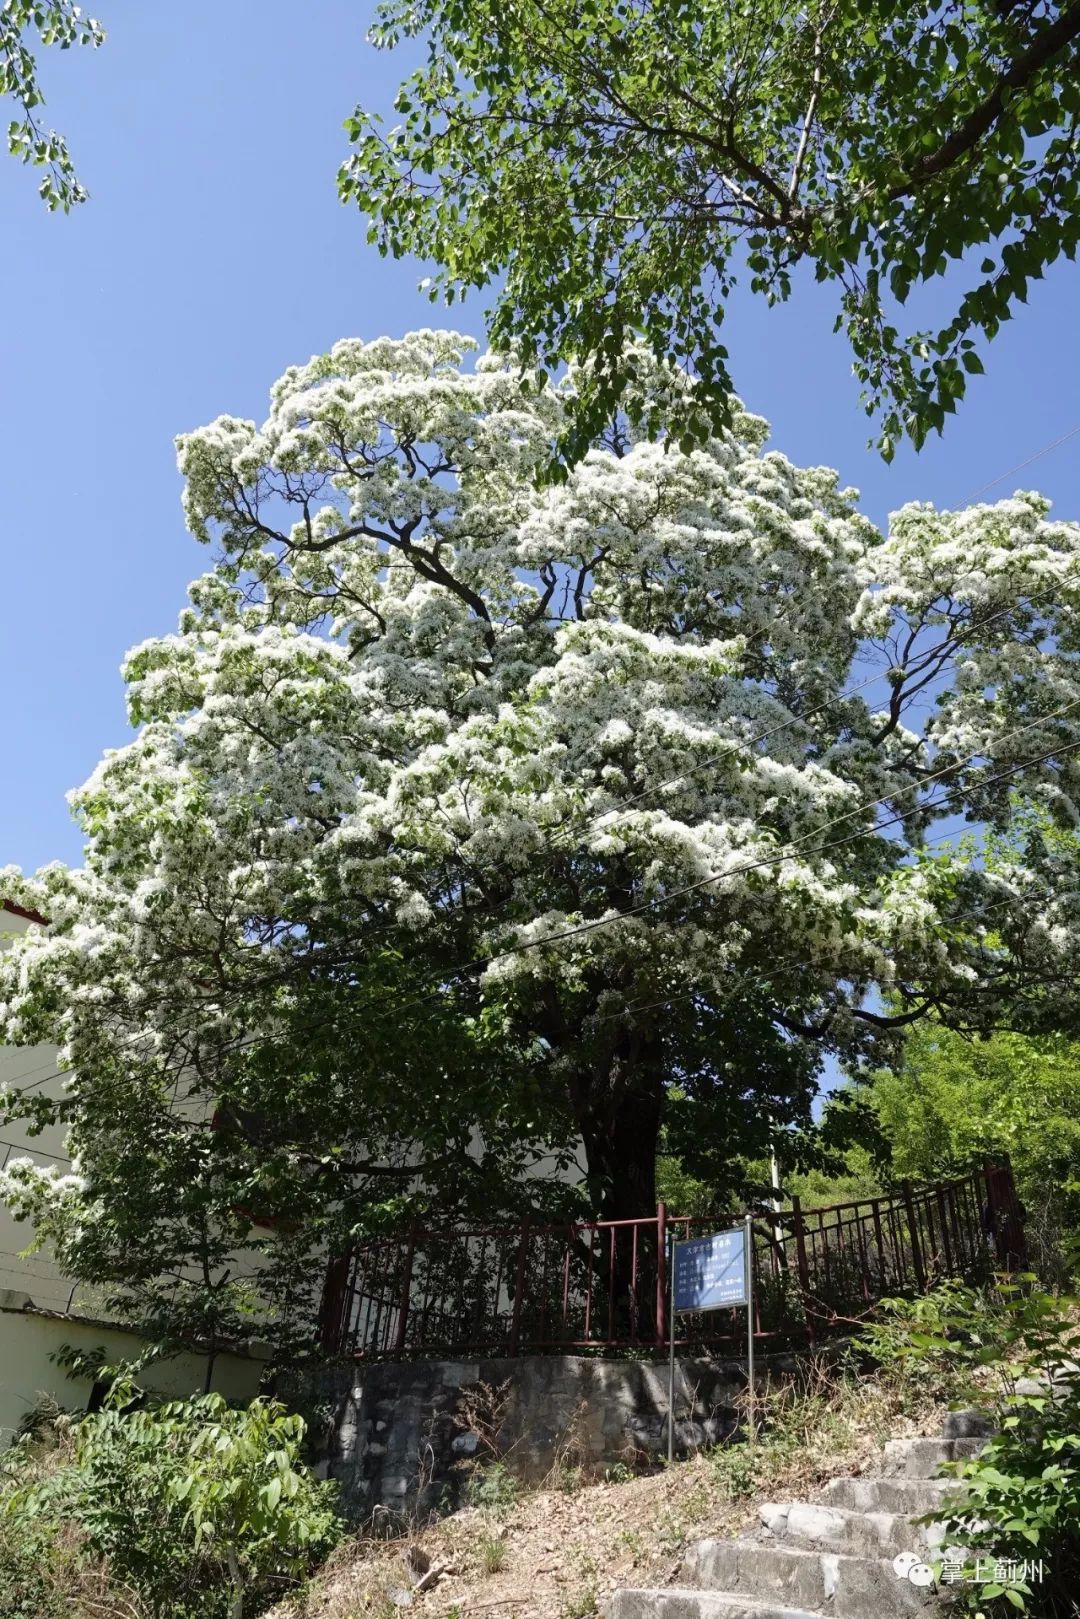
<point x="30" y="1339"/>
<point x="33" y="1068"/>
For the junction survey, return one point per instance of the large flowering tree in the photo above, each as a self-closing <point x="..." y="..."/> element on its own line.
<point x="471" y="818"/>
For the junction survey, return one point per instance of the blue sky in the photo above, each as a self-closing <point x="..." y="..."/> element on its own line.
<point x="212" y="254"/>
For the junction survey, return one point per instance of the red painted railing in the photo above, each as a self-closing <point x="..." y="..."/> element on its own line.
<point x="602" y="1285"/>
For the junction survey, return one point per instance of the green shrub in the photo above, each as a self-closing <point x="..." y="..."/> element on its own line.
<point x="1013" y="1533"/>
<point x="493" y="1488"/>
<point x="565" y="1475"/>
<point x="582" y="1603"/>
<point x="919" y="1345"/>
<point x="198" y="1507"/>
<point x="27" y="1587"/>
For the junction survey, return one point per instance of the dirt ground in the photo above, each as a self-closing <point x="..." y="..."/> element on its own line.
<point x="556" y="1552"/>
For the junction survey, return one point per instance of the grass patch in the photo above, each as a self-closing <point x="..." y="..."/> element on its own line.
<point x="494" y="1553"/>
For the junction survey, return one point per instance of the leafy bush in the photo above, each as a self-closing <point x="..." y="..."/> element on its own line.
<point x="197" y="1506"/>
<point x="45" y="1575"/>
<point x="810" y="1424"/>
<point x="1011" y="1352"/>
<point x="27" y="1587"/>
<point x="917" y="1343"/>
<point x="493" y="1488"/>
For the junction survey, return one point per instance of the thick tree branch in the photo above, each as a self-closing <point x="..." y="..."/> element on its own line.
<point x="882" y="1021"/>
<point x="982" y="118"/>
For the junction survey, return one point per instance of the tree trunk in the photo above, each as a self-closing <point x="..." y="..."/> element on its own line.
<point x="236" y="1585"/>
<point x="620" y="1130"/>
<point x="620" y="1137"/>
<point x="617" y="1105"/>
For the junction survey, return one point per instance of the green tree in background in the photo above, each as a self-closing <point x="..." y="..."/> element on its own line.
<point x="620" y="163"/>
<point x="858" y="1176"/>
<point x="55" y="22"/>
<point x="953" y="1099"/>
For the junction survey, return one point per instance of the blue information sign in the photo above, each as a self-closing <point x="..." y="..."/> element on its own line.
<point x="710" y="1272"/>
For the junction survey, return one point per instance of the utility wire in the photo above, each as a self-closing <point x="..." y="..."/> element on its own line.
<point x="483" y="962"/>
<point x="397" y="1004"/>
<point x="778" y="858"/>
<point x="744" y="746"/>
<point x="28" y="1146"/>
<point x="922" y="660"/>
<point x="573" y="828"/>
<point x="747" y="980"/>
<point x="55" y="1073"/>
<point x="731" y="751"/>
<point x="400" y="1005"/>
<point x="1064" y="439"/>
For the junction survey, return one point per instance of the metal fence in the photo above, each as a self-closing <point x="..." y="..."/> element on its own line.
<point x="603" y="1285"/>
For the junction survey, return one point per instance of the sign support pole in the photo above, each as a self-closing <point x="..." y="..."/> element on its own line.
<point x="749" y="1243"/>
<point x="671" y="1363"/>
<point x="710" y="1281"/>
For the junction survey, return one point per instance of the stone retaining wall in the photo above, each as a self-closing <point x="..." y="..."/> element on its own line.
<point x="402" y="1435"/>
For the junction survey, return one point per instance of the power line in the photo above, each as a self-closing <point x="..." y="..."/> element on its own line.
<point x="1064" y="439"/>
<point x="21" y="1146"/>
<point x="921" y="661"/>
<point x="746" y="980"/>
<point x="899" y="816"/>
<point x="386" y="1003"/>
<point x="729" y="752"/>
<point x="24" y="1266"/>
<point x="733" y="749"/>
<point x="778" y="858"/>
<point x="37" y="1069"/>
<point x="399" y="1005"/>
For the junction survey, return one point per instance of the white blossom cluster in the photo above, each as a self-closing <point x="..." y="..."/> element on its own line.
<point x="424" y="695"/>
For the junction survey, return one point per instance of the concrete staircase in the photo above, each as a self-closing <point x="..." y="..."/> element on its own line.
<point x="855" y="1554"/>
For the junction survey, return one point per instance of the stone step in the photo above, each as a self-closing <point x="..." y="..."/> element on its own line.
<point x="912" y="1496"/>
<point x="967" y="1424"/>
<point x="839" y="1529"/>
<point x="675" y="1602"/>
<point x="821" y="1582"/>
<point x="921" y="1458"/>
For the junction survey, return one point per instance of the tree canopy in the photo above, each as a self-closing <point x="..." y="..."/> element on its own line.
<point x="620" y="164"/>
<point x="952" y="1100"/>
<point x="472" y="821"/>
<point x="55" y="22"/>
